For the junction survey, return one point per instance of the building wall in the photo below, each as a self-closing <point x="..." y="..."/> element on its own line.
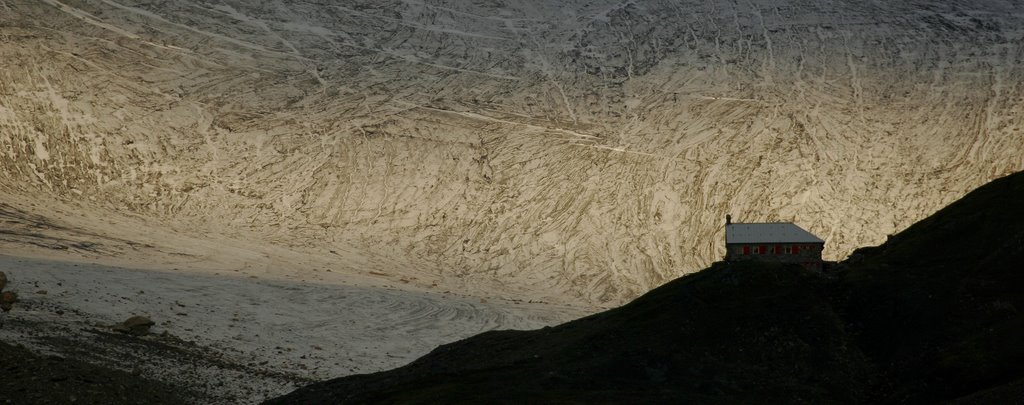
<point x="807" y="254"/>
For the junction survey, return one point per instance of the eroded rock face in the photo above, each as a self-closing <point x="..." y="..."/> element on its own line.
<point x="589" y="147"/>
<point x="3" y="280"/>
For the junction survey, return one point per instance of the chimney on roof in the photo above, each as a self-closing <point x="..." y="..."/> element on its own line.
<point x="728" y="219"/>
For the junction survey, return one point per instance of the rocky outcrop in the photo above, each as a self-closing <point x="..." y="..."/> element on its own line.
<point x="136" y="326"/>
<point x="7" y="300"/>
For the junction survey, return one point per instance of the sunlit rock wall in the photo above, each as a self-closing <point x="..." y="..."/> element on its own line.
<point x="589" y="147"/>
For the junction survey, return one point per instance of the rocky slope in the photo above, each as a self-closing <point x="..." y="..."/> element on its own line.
<point x="928" y="317"/>
<point x="588" y="148"/>
<point x="30" y="378"/>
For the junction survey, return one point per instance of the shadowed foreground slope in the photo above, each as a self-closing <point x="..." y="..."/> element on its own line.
<point x="31" y="378"/>
<point x="931" y="315"/>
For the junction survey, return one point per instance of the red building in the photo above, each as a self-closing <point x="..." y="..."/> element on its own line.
<point x="776" y="241"/>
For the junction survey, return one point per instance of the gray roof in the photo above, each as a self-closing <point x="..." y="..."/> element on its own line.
<point x="778" y="232"/>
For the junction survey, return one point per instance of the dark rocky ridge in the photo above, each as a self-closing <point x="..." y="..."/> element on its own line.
<point x="932" y="315"/>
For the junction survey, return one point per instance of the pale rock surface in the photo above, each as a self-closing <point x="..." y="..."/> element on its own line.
<point x="588" y="149"/>
<point x="390" y="163"/>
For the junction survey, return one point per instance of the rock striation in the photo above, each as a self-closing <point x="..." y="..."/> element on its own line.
<point x="587" y="147"/>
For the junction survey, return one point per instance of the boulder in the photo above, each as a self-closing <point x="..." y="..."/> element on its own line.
<point x="136" y="326"/>
<point x="7" y="300"/>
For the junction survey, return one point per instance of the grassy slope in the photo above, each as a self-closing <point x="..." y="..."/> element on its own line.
<point x="931" y="315"/>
